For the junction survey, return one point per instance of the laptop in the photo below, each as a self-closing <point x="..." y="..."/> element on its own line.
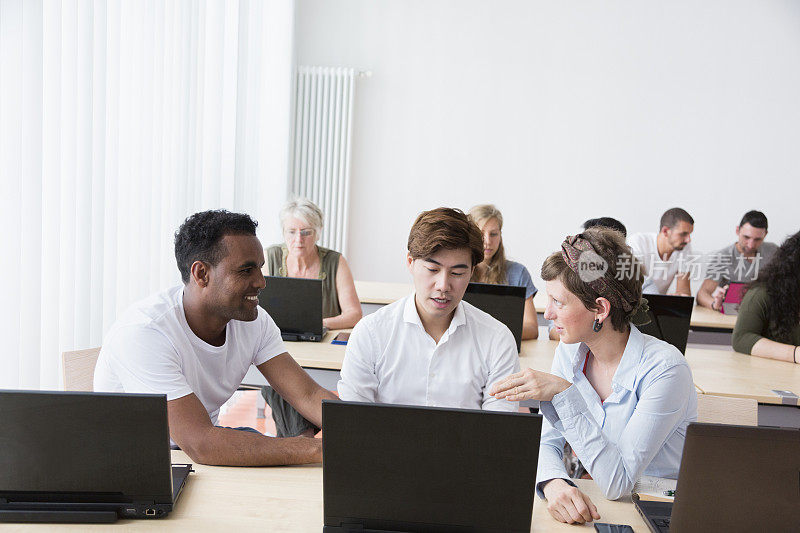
<point x="84" y="457"/>
<point x="295" y="304"/>
<point x="505" y="303"/>
<point x="669" y="318"/>
<point x="408" y="468"/>
<point x="733" y="297"/>
<point x="733" y="478"/>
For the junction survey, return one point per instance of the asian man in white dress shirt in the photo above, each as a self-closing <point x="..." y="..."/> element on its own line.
<point x="431" y="348"/>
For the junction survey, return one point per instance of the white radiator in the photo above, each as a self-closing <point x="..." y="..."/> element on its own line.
<point x="323" y="117"/>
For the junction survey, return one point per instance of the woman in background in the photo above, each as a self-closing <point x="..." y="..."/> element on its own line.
<point x="495" y="268"/>
<point x="301" y="257"/>
<point x="768" y="323"/>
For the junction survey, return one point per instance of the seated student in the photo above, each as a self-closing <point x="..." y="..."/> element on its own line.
<point x="300" y="257"/>
<point x="195" y="343"/>
<point x="495" y="268"/>
<point x="768" y="324"/>
<point x="601" y="222"/>
<point x="620" y="398"/>
<point x="739" y="262"/>
<point x="667" y="254"/>
<point x="431" y="348"/>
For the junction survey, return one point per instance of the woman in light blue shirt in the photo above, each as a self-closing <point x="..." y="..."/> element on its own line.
<point x="495" y="268"/>
<point x="620" y="398"/>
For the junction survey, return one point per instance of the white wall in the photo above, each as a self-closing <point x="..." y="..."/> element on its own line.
<point x="562" y="111"/>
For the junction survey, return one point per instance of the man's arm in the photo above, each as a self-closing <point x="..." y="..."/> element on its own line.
<point x="705" y="295"/>
<point x="682" y="285"/>
<point x="192" y="430"/>
<point x="296" y="386"/>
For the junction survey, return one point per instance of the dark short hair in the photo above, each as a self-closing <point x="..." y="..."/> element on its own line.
<point x="200" y="237"/>
<point x="671" y="217"/>
<point x="444" y="228"/>
<point x="757" y="219"/>
<point x="606" y="222"/>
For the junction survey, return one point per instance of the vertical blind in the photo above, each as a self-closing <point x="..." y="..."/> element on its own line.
<point x="117" y="120"/>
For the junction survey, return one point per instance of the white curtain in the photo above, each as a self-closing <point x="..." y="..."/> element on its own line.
<point x="117" y="120"/>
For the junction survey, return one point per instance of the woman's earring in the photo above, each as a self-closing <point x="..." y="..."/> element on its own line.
<point x="597" y="326"/>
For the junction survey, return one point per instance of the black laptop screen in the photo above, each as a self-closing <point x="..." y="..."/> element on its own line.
<point x="505" y="303"/>
<point x="84" y="447"/>
<point x="670" y="317"/>
<point x="295" y="304"/>
<point x="428" y="469"/>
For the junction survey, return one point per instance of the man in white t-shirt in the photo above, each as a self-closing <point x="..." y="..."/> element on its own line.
<point x="431" y="348"/>
<point x="667" y="255"/>
<point x="195" y="343"/>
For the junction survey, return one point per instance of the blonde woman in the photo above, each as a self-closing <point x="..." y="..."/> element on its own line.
<point x="300" y="257"/>
<point x="495" y="268"/>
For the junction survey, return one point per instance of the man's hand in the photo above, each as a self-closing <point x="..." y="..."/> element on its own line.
<point x="529" y="385"/>
<point x="567" y="504"/>
<point x="719" y="296"/>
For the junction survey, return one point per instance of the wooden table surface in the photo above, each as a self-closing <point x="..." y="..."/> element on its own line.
<point x="288" y="499"/>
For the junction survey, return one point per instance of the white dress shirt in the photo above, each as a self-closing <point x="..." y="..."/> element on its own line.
<point x="639" y="429"/>
<point x="390" y="358"/>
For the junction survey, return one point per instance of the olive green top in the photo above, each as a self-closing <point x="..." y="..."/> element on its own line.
<point x="752" y="323"/>
<point x="328" y="266"/>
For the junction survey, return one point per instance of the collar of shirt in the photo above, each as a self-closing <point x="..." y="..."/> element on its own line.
<point x="625" y="375"/>
<point x="411" y="316"/>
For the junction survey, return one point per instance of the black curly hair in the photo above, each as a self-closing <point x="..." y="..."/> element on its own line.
<point x="781" y="279"/>
<point x="200" y="237"/>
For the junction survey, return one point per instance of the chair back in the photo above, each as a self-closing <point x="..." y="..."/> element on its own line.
<point x="725" y="410"/>
<point x="78" y="369"/>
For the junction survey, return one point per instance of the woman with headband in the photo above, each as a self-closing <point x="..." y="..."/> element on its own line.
<point x="620" y="398"/>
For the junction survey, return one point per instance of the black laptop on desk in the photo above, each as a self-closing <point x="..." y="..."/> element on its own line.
<point x="733" y="478"/>
<point x="506" y="303"/>
<point x="406" y="468"/>
<point x="670" y="317"/>
<point x="295" y="304"/>
<point x="83" y="457"/>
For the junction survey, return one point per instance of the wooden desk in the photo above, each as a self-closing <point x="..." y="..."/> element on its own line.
<point x="728" y="373"/>
<point x="288" y="499"/>
<point x="377" y="292"/>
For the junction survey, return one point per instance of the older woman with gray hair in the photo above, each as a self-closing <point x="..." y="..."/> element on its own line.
<point x="300" y="257"/>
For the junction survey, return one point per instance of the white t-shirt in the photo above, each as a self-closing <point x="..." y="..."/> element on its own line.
<point x="152" y="349"/>
<point x="390" y="358"/>
<point x="659" y="274"/>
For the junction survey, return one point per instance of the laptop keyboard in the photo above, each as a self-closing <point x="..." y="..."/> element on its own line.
<point x="662" y="523"/>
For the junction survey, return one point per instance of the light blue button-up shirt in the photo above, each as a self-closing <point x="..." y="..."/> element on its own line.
<point x="639" y="429"/>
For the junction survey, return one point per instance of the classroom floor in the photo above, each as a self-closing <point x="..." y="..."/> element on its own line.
<point x="242" y="410"/>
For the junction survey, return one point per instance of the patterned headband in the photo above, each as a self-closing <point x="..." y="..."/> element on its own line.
<point x="607" y="286"/>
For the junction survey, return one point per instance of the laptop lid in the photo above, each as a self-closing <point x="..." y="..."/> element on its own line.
<point x="84" y="448"/>
<point x="738" y="478"/>
<point x="407" y="468"/>
<point x="295" y="304"/>
<point x="505" y="303"/>
<point x="670" y="317"/>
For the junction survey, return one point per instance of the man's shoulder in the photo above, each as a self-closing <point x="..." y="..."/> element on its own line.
<point x="725" y="251"/>
<point x="767" y="249"/>
<point x="482" y="322"/>
<point x="388" y="315"/>
<point x="642" y="242"/>
<point x="152" y="310"/>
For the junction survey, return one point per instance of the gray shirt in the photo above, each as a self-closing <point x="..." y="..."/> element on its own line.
<point x="729" y="265"/>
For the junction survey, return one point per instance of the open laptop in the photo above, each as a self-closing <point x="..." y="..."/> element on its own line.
<point x="295" y="304"/>
<point x="733" y="478"/>
<point x="84" y="457"/>
<point x="670" y="317"/>
<point x="506" y="303"/>
<point x="407" y="468"/>
<point x="733" y="297"/>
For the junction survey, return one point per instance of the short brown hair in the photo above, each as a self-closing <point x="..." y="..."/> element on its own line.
<point x="610" y="245"/>
<point x="444" y="228"/>
<point x="671" y="217"/>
